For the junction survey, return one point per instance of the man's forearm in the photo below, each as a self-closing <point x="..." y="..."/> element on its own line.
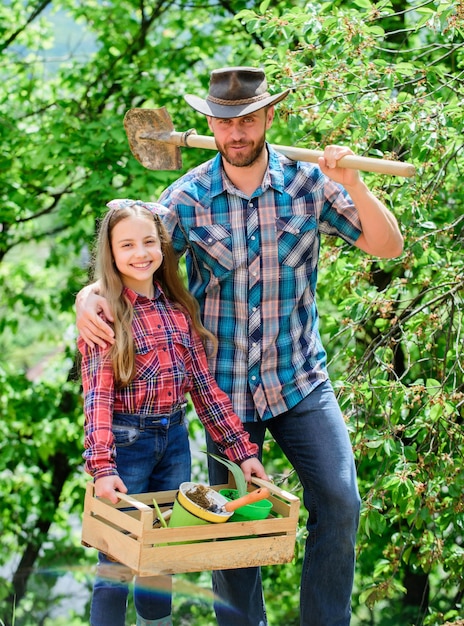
<point x="381" y="235"/>
<point x="86" y="291"/>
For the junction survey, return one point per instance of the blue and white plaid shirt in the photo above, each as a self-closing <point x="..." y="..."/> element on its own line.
<point x="252" y="265"/>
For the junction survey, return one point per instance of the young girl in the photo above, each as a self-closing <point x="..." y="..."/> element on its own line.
<point x="136" y="438"/>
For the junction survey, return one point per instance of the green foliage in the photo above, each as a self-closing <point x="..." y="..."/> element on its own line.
<point x="384" y="78"/>
<point x="237" y="473"/>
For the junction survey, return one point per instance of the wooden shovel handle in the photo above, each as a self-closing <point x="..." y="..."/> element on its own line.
<point x="254" y="496"/>
<point x="354" y="162"/>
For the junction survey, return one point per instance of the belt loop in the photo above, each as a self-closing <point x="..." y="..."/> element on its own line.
<point x="142" y="422"/>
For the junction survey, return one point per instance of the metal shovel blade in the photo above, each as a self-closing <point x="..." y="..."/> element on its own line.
<point x="155" y="124"/>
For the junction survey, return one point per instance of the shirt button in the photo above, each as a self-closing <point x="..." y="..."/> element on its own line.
<point x="210" y="239"/>
<point x="253" y="238"/>
<point x="253" y="378"/>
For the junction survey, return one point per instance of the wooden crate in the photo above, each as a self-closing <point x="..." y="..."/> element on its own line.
<point x="128" y="536"/>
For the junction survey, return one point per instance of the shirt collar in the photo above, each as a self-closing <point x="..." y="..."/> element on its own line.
<point x="275" y="170"/>
<point x="273" y="176"/>
<point x="133" y="296"/>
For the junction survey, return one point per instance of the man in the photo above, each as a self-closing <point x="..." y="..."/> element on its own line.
<point x="250" y="221"/>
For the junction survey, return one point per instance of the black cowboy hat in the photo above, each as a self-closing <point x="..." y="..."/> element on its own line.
<point x="235" y="92"/>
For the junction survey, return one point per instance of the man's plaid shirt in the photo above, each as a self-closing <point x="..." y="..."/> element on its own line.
<point x="252" y="265"/>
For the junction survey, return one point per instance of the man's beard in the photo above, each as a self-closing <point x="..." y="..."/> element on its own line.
<point x="247" y="158"/>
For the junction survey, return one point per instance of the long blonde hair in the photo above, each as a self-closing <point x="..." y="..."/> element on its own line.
<point x="122" y="352"/>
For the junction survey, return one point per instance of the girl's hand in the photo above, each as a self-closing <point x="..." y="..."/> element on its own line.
<point x="108" y="487"/>
<point x="253" y="467"/>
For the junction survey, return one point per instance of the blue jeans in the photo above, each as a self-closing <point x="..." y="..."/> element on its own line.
<point x="153" y="454"/>
<point x="314" y="438"/>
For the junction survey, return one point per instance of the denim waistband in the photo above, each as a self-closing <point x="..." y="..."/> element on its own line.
<point x="154" y="421"/>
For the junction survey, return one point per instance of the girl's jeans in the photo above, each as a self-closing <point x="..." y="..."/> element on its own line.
<point x="153" y="454"/>
<point x="314" y="438"/>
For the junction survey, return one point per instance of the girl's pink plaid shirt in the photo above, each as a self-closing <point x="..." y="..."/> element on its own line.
<point x="171" y="362"/>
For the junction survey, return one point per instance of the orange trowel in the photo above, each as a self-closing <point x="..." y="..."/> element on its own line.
<point x="254" y="496"/>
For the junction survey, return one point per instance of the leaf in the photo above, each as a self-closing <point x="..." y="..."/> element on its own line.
<point x="236" y="471"/>
<point x="433" y="386"/>
<point x="378" y="522"/>
<point x="375" y="443"/>
<point x="405" y="69"/>
<point x="428" y="225"/>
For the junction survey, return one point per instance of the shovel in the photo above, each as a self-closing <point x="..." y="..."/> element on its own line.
<point x="155" y="144"/>
<point x="254" y="496"/>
